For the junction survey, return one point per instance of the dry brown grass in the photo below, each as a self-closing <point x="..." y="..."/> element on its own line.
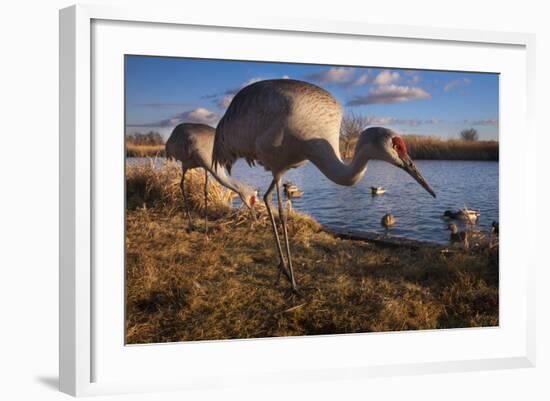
<point x="147" y="186"/>
<point x="431" y="148"/>
<point x="133" y="150"/>
<point x="420" y="147"/>
<point x="181" y="287"/>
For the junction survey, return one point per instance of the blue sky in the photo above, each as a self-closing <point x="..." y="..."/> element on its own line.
<point x="161" y="92"/>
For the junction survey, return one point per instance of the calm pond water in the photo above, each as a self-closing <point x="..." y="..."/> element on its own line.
<point x="418" y="216"/>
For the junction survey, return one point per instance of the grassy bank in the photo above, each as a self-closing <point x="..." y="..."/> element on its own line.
<point x="420" y="147"/>
<point x="182" y="287"/>
<point x="431" y="148"/>
<point x="133" y="150"/>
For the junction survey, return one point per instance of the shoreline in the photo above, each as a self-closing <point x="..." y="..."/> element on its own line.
<point x="420" y="148"/>
<point x="389" y="241"/>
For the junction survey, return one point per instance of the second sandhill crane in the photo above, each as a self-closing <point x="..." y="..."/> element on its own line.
<point x="282" y="124"/>
<point x="192" y="145"/>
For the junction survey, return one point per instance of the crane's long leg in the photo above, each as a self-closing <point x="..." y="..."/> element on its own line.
<point x="282" y="218"/>
<point x="206" y="202"/>
<point x="185" y="201"/>
<point x="267" y="200"/>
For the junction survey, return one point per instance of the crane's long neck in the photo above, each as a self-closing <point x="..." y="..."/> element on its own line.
<point x="326" y="157"/>
<point x="229" y="182"/>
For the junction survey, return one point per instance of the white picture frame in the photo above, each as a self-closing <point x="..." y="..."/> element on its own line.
<point x="78" y="164"/>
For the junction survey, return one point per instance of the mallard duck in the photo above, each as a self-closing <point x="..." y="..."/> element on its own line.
<point x="292" y="190"/>
<point x="462" y="214"/>
<point x="290" y="187"/>
<point x="377" y="190"/>
<point x="294" y="194"/>
<point x="387" y="221"/>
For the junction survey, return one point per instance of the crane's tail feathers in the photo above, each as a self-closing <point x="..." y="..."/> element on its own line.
<point x="221" y="154"/>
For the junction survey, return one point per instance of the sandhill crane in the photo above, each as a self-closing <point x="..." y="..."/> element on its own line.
<point x="192" y="145"/>
<point x="282" y="124"/>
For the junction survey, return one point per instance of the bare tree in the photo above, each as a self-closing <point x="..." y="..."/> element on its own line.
<point x="469" y="134"/>
<point x="352" y="126"/>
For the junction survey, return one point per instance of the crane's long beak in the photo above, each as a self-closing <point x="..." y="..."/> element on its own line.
<point x="410" y="167"/>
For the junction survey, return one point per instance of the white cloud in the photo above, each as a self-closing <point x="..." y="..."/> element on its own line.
<point x="334" y="75"/>
<point x="380" y="120"/>
<point x="285" y="77"/>
<point x="362" y="80"/>
<point x="489" y="121"/>
<point x="411" y="122"/>
<point x="455" y="83"/>
<point x="234" y="91"/>
<point x="386" y="77"/>
<point x="341" y="76"/>
<point x="225" y="101"/>
<point x="387" y="94"/>
<point x="228" y="95"/>
<point x="199" y="115"/>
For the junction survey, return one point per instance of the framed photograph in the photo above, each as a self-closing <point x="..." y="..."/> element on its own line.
<point x="272" y="200"/>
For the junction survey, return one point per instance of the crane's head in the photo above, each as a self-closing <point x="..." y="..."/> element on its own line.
<point x="385" y="144"/>
<point x="249" y="196"/>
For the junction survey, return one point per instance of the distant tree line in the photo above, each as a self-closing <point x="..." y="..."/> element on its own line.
<point x="150" y="138"/>
<point x="467" y="147"/>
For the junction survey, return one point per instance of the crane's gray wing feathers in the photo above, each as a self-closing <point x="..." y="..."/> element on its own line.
<point x="187" y="138"/>
<point x="269" y="115"/>
<point x="177" y="145"/>
<point x="248" y="119"/>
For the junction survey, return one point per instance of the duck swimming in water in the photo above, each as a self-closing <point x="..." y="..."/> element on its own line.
<point x="291" y="190"/>
<point x="462" y="214"/>
<point x="294" y="194"/>
<point x="290" y="187"/>
<point x="387" y="221"/>
<point x="377" y="190"/>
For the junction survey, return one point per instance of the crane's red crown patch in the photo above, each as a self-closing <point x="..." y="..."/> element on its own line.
<point x="399" y="146"/>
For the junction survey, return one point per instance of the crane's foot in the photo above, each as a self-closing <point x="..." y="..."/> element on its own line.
<point x="296" y="290"/>
<point x="282" y="269"/>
